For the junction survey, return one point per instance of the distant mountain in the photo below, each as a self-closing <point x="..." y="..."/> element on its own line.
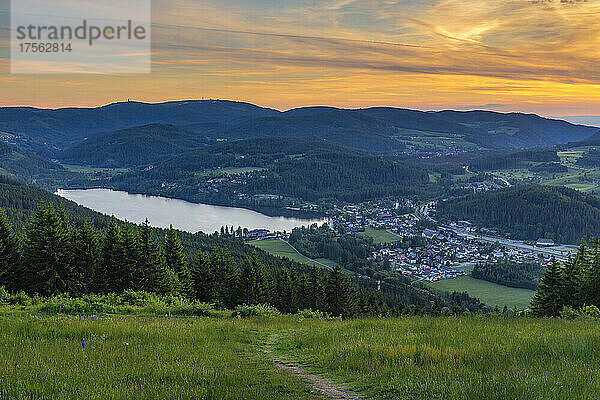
<point x="68" y="126"/>
<point x="530" y="212"/>
<point x="378" y="129"/>
<point x="343" y="127"/>
<point x="517" y="130"/>
<point x="134" y="146"/>
<point x="593" y="140"/>
<point x="28" y="167"/>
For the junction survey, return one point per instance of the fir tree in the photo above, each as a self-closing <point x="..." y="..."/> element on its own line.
<point x="126" y="275"/>
<point x="202" y="278"/>
<point x="9" y="254"/>
<point x="227" y="279"/>
<point x="314" y="290"/>
<point x="285" y="292"/>
<point x="153" y="274"/>
<point x="175" y="261"/>
<point x="110" y="260"/>
<point x="339" y="293"/>
<point x="86" y="255"/>
<point x="46" y="253"/>
<point x="254" y="283"/>
<point x="547" y="299"/>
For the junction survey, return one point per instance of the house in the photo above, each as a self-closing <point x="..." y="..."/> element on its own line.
<point x="428" y="233"/>
<point x="544" y="242"/>
<point x="258" y="234"/>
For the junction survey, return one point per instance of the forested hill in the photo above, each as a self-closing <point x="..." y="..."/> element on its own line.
<point x="310" y="169"/>
<point x="68" y="126"/>
<point x="20" y="202"/>
<point x="29" y="167"/>
<point x="380" y="129"/>
<point x="66" y="231"/>
<point x="134" y="146"/>
<point x="530" y="212"/>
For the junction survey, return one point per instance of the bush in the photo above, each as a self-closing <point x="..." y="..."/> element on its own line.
<point x="66" y="305"/>
<point x="310" y="314"/>
<point x="197" y="309"/>
<point x="4" y="295"/>
<point x="138" y="299"/>
<point x="20" y="299"/>
<point x="585" y="312"/>
<point x="260" y="310"/>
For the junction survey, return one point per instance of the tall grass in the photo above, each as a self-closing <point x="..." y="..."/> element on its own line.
<point x="449" y="358"/>
<point x="137" y="358"/>
<point x="146" y="357"/>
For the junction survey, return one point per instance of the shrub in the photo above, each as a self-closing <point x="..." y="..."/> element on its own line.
<point x="138" y="299"/>
<point x="310" y="314"/>
<point x="260" y="310"/>
<point x="20" y="299"/>
<point x="4" y="295"/>
<point x="197" y="309"/>
<point x="585" y="312"/>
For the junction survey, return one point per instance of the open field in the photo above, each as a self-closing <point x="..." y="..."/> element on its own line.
<point x="282" y="249"/>
<point x="138" y="358"/>
<point x="449" y="358"/>
<point x="44" y="357"/>
<point x="92" y="170"/>
<point x="490" y="293"/>
<point x="379" y="235"/>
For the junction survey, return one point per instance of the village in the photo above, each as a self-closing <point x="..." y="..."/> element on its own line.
<point x="426" y="250"/>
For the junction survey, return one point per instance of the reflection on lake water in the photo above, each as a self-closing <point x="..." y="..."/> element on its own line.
<point x="183" y="215"/>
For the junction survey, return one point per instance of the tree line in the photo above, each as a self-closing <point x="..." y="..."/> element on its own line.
<point x="523" y="212"/>
<point x="574" y="284"/>
<point x="509" y="273"/>
<point x="52" y="256"/>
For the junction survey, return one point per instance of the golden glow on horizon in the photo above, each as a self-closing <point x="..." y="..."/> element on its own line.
<point x="515" y="55"/>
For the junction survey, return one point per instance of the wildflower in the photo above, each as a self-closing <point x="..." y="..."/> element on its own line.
<point x="83" y="343"/>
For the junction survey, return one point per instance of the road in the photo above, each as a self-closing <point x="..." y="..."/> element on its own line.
<point x="308" y="258"/>
<point x="561" y="253"/>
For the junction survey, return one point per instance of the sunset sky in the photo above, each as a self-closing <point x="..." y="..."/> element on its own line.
<point x="512" y="55"/>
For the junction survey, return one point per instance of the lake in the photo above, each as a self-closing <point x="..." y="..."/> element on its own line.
<point x="183" y="215"/>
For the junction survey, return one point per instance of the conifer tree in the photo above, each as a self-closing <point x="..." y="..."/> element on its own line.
<point x="110" y="260"/>
<point x="46" y="253"/>
<point x="9" y="254"/>
<point x="202" y="277"/>
<point x="571" y="287"/>
<point x="254" y="284"/>
<point x="340" y="294"/>
<point x="175" y="261"/>
<point x="125" y="275"/>
<point x="227" y="279"/>
<point x="314" y="290"/>
<point x="86" y="255"/>
<point x="285" y="292"/>
<point x="547" y="299"/>
<point x="153" y="274"/>
<point x="591" y="278"/>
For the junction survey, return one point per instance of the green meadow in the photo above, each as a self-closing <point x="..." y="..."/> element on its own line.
<point x="282" y="249"/>
<point x="141" y="357"/>
<point x="488" y="292"/>
<point x="379" y="235"/>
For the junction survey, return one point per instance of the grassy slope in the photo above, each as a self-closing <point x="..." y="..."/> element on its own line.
<point x="490" y="293"/>
<point x="448" y="358"/>
<point x="138" y="359"/>
<point x="379" y="235"/>
<point x="282" y="249"/>
<point x="406" y="358"/>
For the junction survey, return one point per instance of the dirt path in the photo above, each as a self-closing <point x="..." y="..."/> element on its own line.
<point x="323" y="387"/>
